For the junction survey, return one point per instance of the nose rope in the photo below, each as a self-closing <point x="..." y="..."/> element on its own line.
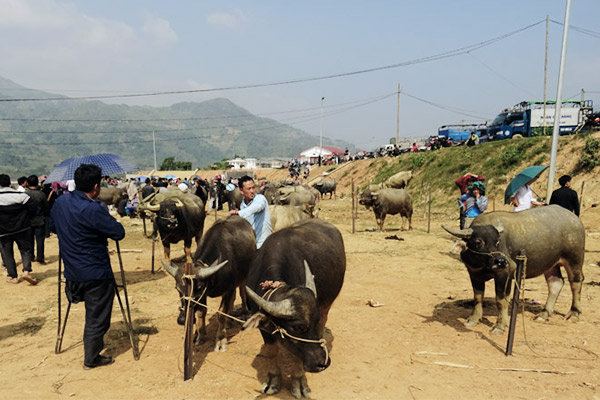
<point x="192" y="300"/>
<point x="283" y="333"/>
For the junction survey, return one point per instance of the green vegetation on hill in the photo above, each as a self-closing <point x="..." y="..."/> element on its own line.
<point x="438" y="170"/>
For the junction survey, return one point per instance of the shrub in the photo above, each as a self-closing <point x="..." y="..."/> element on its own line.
<point x="417" y="160"/>
<point x="590" y="159"/>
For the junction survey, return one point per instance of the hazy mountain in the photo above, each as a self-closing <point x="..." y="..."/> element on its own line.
<point x="37" y="135"/>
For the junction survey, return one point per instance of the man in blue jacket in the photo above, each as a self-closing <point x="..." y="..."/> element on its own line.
<point x="83" y="226"/>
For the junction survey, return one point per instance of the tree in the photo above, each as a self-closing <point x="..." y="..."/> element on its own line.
<point x="169" y="164"/>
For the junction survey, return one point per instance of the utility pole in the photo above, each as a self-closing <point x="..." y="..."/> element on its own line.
<point x="582" y="95"/>
<point x="154" y="148"/>
<point x="555" y="132"/>
<point x="398" y="120"/>
<point x="545" y="75"/>
<point x="321" y="134"/>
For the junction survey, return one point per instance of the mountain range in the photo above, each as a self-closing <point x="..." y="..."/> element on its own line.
<point x="35" y="135"/>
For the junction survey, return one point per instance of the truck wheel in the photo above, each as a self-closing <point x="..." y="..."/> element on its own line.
<point x="517" y="136"/>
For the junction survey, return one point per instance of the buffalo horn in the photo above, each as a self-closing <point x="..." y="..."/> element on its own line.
<point x="170" y="268"/>
<point x="459" y="233"/>
<point x="278" y="309"/>
<point x="203" y="273"/>
<point x="153" y="207"/>
<point x="178" y="203"/>
<point x="499" y="226"/>
<point x="310" y="279"/>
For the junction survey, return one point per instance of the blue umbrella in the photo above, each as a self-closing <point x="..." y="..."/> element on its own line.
<point x="524" y="177"/>
<point x="110" y="163"/>
<point x="170" y="176"/>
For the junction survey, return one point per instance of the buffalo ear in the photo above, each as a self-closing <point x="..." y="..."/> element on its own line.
<point x="254" y="321"/>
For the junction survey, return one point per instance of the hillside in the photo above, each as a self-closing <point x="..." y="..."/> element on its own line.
<point x="37" y="135"/>
<point x="436" y="171"/>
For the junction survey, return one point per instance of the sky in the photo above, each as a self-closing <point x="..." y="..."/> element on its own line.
<point x="326" y="67"/>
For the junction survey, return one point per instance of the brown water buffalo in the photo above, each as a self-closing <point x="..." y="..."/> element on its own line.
<point x="399" y="180"/>
<point x="111" y="195"/>
<point x="294" y="279"/>
<point x="551" y="237"/>
<point x="388" y="201"/>
<point x="284" y="216"/>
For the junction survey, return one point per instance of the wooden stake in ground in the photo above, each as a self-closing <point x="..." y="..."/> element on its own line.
<point x="515" y="301"/>
<point x="353" y="197"/>
<point x="429" y="209"/>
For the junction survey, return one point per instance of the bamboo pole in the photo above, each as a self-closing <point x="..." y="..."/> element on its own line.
<point x="353" y="207"/>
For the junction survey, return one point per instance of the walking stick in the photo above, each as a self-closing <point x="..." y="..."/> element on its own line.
<point x="153" y="246"/>
<point x="515" y="302"/>
<point x="61" y="330"/>
<point x="126" y="318"/>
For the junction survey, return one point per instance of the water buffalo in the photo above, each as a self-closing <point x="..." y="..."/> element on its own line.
<point x="111" y="195"/>
<point x="228" y="247"/>
<point x="306" y="199"/>
<point x="551" y="237"/>
<point x="325" y="187"/>
<point x="180" y="216"/>
<point x="294" y="279"/>
<point x="388" y="201"/>
<point x="399" y="180"/>
<point x="284" y="216"/>
<point x="233" y="198"/>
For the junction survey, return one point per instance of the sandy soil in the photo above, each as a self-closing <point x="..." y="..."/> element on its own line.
<point x="415" y="345"/>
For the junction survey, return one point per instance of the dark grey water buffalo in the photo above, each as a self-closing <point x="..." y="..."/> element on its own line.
<point x="307" y="200"/>
<point x="284" y="216"/>
<point x="234" y="199"/>
<point x="551" y="237"/>
<point x="111" y="195"/>
<point x="325" y="187"/>
<point x="228" y="247"/>
<point x="399" y="180"/>
<point x="180" y="216"/>
<point x="294" y="279"/>
<point x="388" y="201"/>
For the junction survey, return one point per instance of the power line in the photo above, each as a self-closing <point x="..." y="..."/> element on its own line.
<point x="448" y="54"/>
<point x="580" y="30"/>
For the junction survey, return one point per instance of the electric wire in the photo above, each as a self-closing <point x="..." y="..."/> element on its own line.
<point x="447" y="54"/>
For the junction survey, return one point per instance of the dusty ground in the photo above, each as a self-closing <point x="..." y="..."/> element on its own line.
<point x="414" y="346"/>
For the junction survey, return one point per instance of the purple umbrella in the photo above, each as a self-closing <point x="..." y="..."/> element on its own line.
<point x="110" y="163"/>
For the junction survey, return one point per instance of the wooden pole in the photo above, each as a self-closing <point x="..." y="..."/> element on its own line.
<point x="353" y="207"/>
<point x="429" y="210"/>
<point x="581" y="197"/>
<point x="188" y="361"/>
<point x="398" y="120"/>
<point x="515" y="303"/>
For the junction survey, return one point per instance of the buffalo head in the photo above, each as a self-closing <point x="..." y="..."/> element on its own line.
<point x="485" y="247"/>
<point x="294" y="313"/>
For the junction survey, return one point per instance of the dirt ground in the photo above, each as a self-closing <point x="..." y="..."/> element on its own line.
<point x="413" y="346"/>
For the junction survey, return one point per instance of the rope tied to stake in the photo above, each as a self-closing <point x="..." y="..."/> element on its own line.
<point x="191" y="299"/>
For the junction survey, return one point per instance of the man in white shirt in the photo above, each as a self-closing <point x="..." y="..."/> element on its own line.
<point x="523" y="199"/>
<point x="254" y="209"/>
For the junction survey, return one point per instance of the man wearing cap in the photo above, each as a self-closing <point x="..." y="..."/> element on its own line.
<point x="565" y="196"/>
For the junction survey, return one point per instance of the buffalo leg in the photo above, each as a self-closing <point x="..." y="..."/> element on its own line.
<point x="226" y="307"/>
<point x="167" y="251"/>
<point x="243" y="297"/>
<point x="271" y="351"/>
<point x="502" y="283"/>
<point x="478" y="292"/>
<point x="201" y="323"/>
<point x="575" y="275"/>
<point x="555" y="282"/>
<point x="299" y="386"/>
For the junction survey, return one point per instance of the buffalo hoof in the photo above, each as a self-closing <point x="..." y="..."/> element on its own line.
<point x="471" y="323"/>
<point x="272" y="385"/>
<point x="300" y="388"/>
<point x="181" y="317"/>
<point x="542" y="317"/>
<point x="496" y="330"/>
<point x="573" y="316"/>
<point x="221" y="345"/>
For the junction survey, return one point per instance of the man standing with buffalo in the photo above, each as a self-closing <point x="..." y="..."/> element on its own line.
<point x="255" y="209"/>
<point x="83" y="225"/>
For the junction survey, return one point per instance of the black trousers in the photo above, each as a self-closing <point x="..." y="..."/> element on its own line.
<point x="98" y="297"/>
<point x="8" y="255"/>
<point x="38" y="236"/>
